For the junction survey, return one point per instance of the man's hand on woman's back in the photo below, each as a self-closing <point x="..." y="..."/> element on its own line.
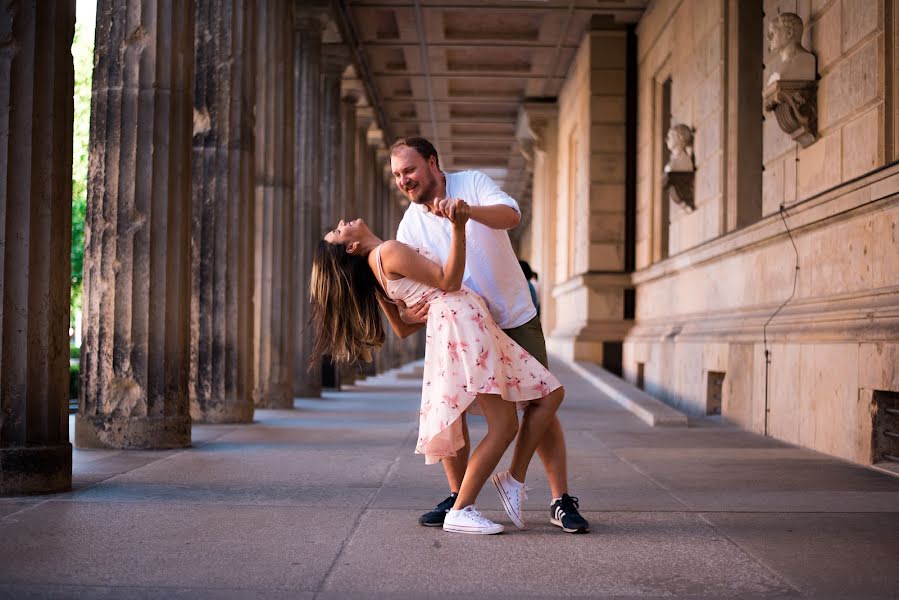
<point x="416" y="314"/>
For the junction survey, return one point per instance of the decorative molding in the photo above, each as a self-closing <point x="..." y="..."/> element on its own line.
<point x="678" y="186"/>
<point x="867" y="193"/>
<point x="530" y="128"/>
<point x="870" y="316"/>
<point x="795" y="105"/>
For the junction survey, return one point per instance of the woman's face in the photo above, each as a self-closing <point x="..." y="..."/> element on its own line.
<point x="347" y="232"/>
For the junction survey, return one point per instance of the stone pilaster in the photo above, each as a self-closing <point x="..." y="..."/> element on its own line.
<point x="537" y="131"/>
<point x="222" y="234"/>
<point x="36" y="86"/>
<point x="308" y="24"/>
<point x="273" y="212"/>
<point x="135" y="357"/>
<point x="592" y="278"/>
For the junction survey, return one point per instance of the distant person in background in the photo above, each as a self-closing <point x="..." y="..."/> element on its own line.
<point x="530" y="276"/>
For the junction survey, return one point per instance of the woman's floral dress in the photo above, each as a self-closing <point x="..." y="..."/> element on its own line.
<point x="466" y="353"/>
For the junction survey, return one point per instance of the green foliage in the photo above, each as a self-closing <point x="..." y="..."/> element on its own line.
<point x="83" y="56"/>
<point x="73" y="381"/>
<point x="75" y="352"/>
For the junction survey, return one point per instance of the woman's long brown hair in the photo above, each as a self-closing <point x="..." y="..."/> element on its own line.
<point x="346" y="318"/>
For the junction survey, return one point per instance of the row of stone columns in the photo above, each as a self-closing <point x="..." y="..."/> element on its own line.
<point x="221" y="145"/>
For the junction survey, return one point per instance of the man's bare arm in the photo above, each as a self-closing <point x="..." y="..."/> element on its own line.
<point x="399" y="326"/>
<point x="495" y="216"/>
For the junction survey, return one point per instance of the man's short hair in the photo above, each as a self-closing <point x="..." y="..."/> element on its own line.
<point x="792" y="24"/>
<point x="424" y="148"/>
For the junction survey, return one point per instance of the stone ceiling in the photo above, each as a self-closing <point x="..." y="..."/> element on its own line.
<point x="457" y="72"/>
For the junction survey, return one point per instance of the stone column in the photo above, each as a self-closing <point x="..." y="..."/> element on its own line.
<point x="308" y="23"/>
<point x="347" y="193"/>
<point x="222" y="235"/>
<point x="364" y="176"/>
<point x="36" y="86"/>
<point x="135" y="360"/>
<point x="334" y="60"/>
<point x="273" y="213"/>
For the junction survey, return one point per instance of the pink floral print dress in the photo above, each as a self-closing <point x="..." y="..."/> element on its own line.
<point x="466" y="353"/>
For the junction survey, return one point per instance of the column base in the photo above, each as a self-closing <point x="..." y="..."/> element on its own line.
<point x="132" y="433"/>
<point x="28" y="470"/>
<point x="221" y="415"/>
<point x="276" y="400"/>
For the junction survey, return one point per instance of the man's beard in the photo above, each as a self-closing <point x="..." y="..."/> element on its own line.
<point x="427" y="189"/>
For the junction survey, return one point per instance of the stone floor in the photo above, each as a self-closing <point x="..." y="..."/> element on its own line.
<point x="322" y="502"/>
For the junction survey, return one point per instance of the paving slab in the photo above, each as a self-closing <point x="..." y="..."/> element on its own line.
<point x="790" y="501"/>
<point x="171" y="545"/>
<point x="630" y="554"/>
<point x="95" y="592"/>
<point x="835" y="554"/>
<point x="711" y="474"/>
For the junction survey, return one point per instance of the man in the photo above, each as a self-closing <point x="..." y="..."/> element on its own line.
<point x="492" y="271"/>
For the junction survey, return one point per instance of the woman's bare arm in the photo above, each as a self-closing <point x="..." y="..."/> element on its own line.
<point x="399" y="259"/>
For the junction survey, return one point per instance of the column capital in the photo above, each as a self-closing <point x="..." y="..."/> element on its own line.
<point x="375" y="137"/>
<point x="310" y="15"/>
<point x="335" y="59"/>
<point x="533" y="119"/>
<point x="365" y="116"/>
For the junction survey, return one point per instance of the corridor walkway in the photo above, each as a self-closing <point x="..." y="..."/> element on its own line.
<point x="322" y="502"/>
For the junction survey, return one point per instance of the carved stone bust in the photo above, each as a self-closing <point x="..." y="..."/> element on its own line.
<point x="680" y="143"/>
<point x="790" y="62"/>
<point x="677" y="179"/>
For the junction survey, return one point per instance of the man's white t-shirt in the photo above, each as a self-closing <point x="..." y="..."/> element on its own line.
<point x="491" y="267"/>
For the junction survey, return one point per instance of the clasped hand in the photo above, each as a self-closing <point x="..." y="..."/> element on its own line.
<point x="456" y="210"/>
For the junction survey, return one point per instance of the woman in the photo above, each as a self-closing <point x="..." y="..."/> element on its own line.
<point x="467" y="357"/>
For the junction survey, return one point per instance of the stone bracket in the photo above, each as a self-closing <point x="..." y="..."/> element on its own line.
<point x="678" y="185"/>
<point x="795" y="105"/>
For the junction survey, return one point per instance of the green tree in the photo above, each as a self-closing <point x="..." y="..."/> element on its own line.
<point x="83" y="57"/>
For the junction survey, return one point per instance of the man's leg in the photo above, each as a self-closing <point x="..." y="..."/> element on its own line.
<point x="554" y="457"/>
<point x="551" y="447"/>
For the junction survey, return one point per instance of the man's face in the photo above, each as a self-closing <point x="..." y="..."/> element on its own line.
<point x="777" y="36"/>
<point x="415" y="177"/>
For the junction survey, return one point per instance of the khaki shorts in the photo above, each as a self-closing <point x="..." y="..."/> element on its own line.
<point x="530" y="337"/>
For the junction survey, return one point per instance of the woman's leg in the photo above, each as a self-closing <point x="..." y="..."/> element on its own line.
<point x="454" y="466"/>
<point x="538" y="416"/>
<point x="502" y="425"/>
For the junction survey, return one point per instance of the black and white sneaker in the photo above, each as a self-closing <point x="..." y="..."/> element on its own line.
<point x="563" y="513"/>
<point x="435" y="517"/>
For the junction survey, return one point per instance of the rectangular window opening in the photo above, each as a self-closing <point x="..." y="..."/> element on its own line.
<point x="885" y="430"/>
<point x="611" y="357"/>
<point x="630" y="304"/>
<point x="714" y="388"/>
<point x="640" y="376"/>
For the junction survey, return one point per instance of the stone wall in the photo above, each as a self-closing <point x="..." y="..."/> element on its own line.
<point x="706" y="291"/>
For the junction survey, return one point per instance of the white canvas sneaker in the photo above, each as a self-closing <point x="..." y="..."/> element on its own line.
<point x="469" y="520"/>
<point x="512" y="494"/>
